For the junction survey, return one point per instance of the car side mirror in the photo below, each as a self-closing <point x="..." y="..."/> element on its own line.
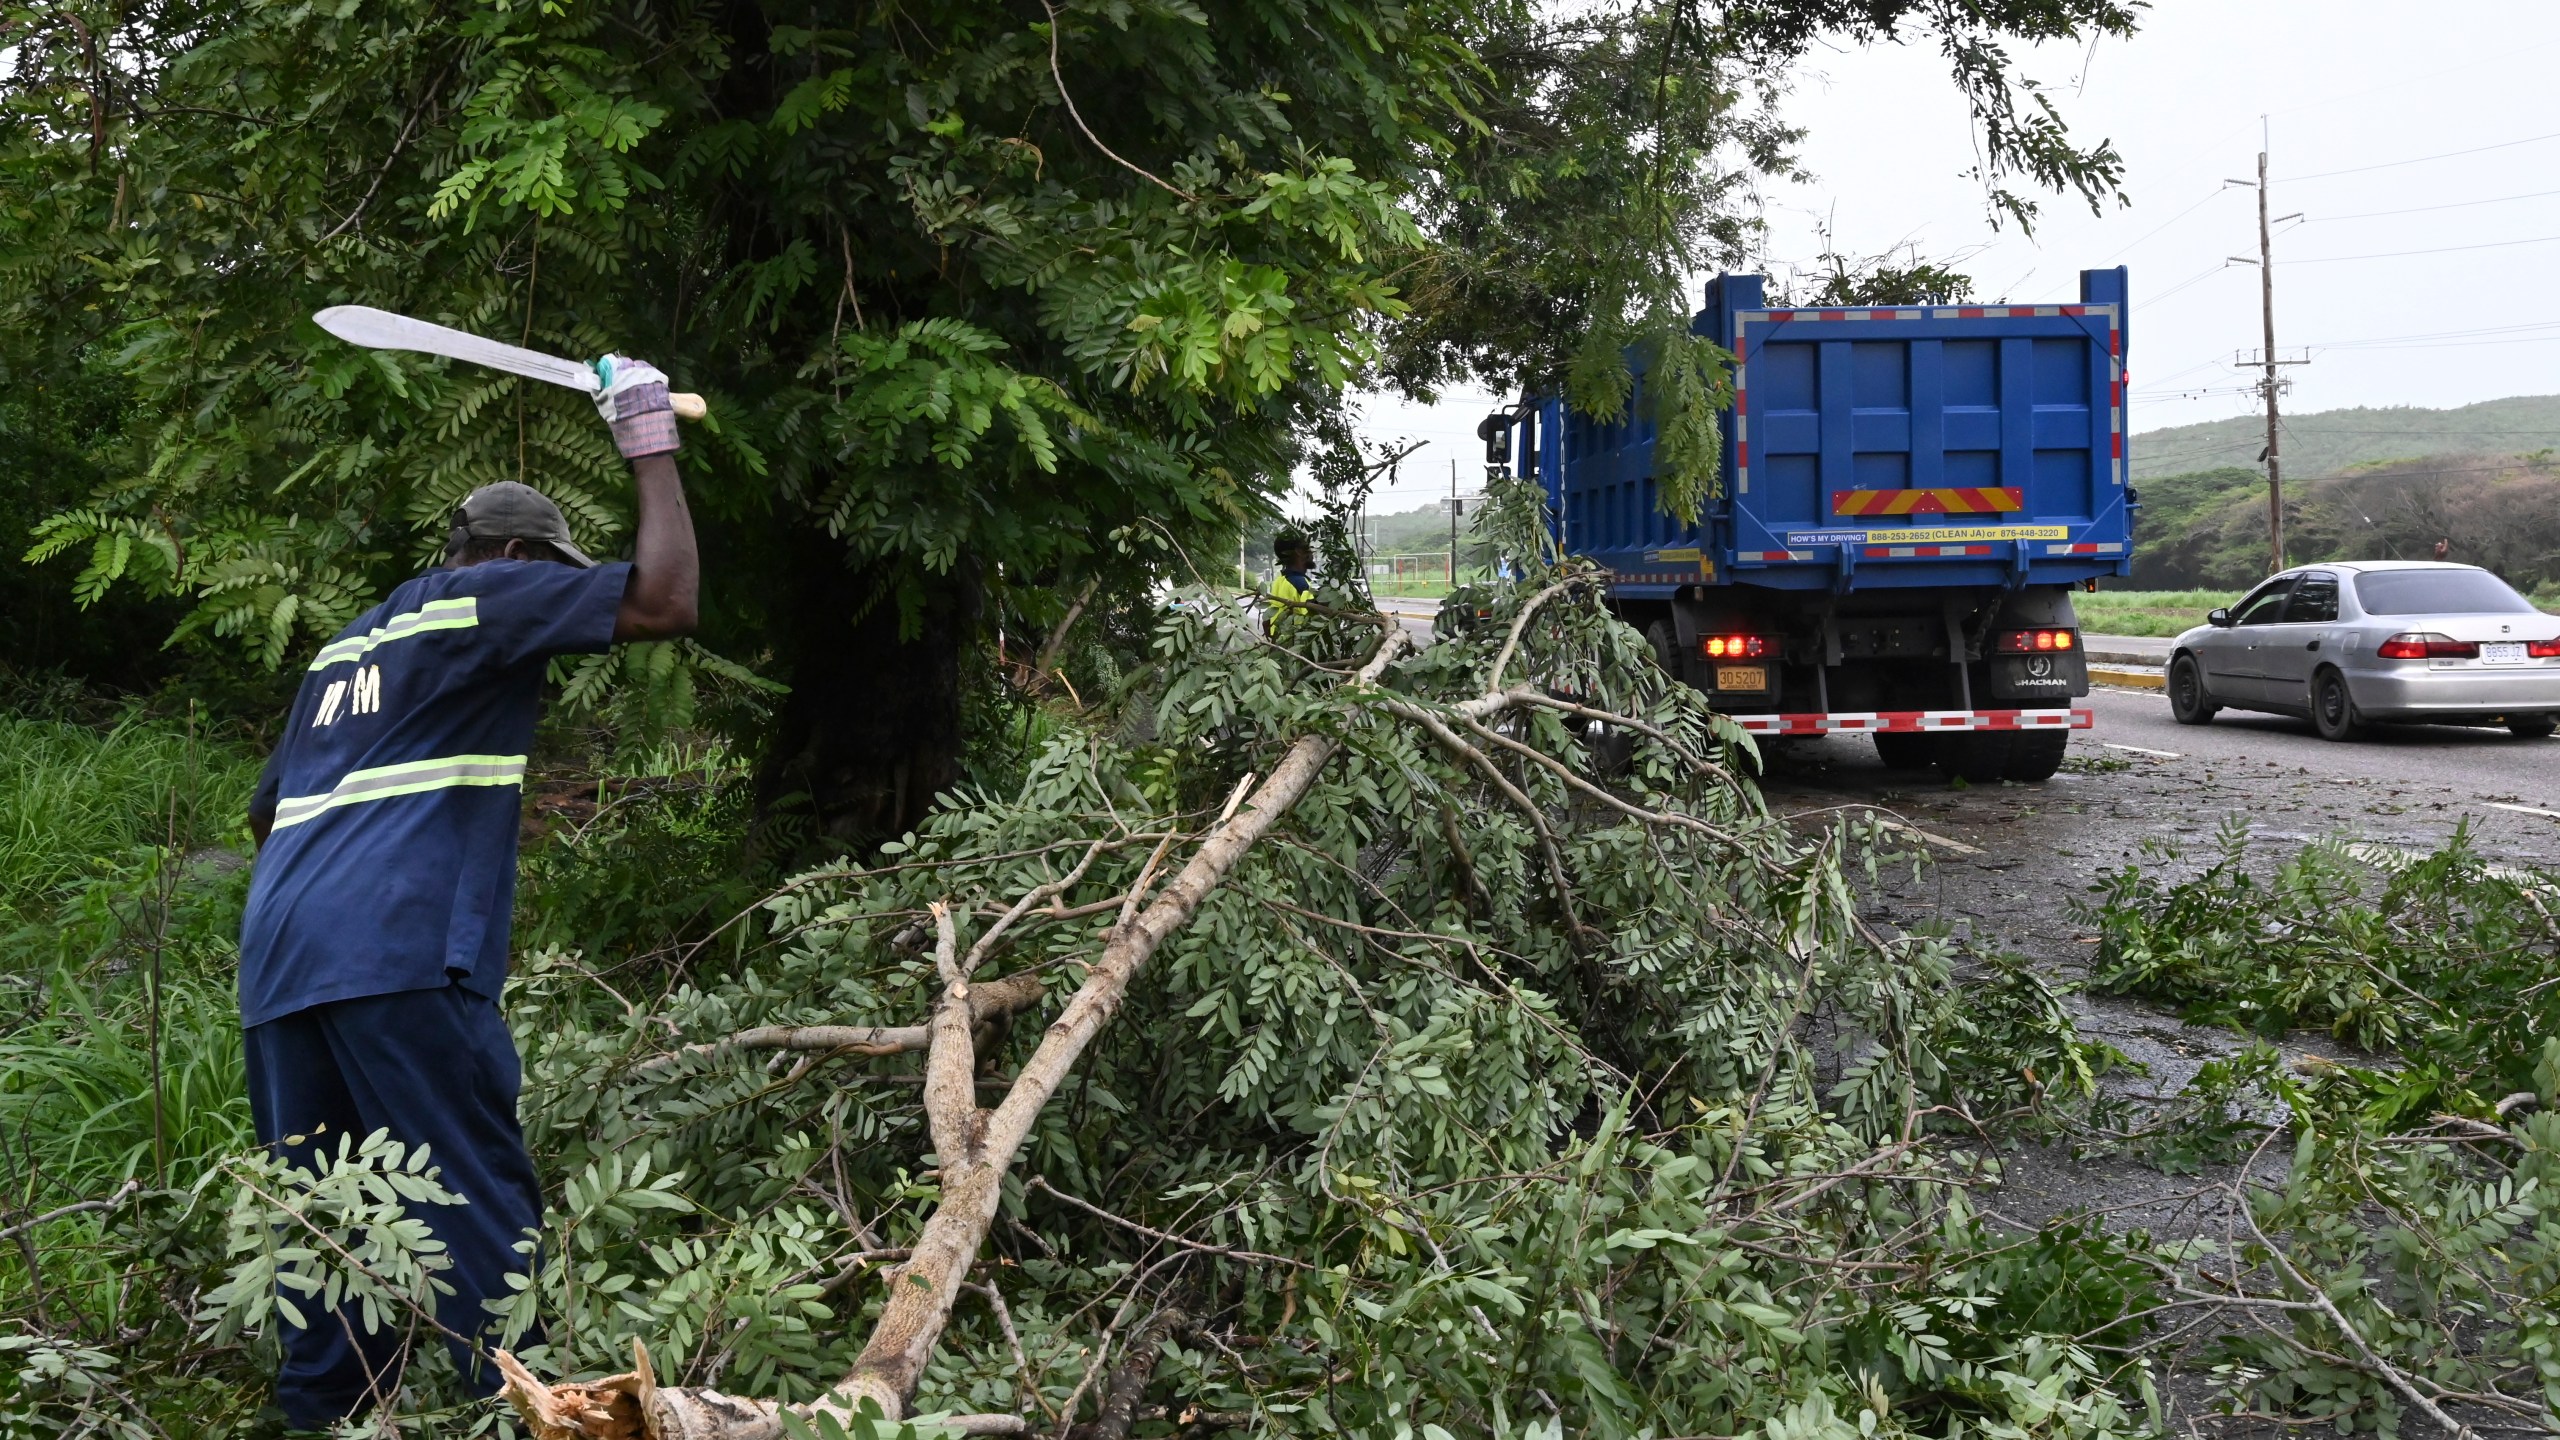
<point x="2219" y="618"/>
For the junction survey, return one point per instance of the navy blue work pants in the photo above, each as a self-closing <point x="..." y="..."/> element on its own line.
<point x="435" y="1068"/>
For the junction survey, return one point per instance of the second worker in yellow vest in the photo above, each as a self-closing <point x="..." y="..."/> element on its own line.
<point x="1294" y="587"/>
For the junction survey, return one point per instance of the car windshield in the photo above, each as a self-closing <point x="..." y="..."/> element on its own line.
<point x="2438" y="592"/>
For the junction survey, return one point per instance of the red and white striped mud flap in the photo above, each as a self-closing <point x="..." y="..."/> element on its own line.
<point x="1909" y="721"/>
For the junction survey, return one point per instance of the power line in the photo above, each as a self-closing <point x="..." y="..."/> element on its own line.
<point x="2437" y="250"/>
<point x="2197" y="278"/>
<point x="2165" y="224"/>
<point x="2445" y="344"/>
<point x="2199" y="394"/>
<point x="2422" y="209"/>
<point x="2424" y="159"/>
<point x="2161" y="385"/>
<point x="2317" y="431"/>
<point x="2439" y="334"/>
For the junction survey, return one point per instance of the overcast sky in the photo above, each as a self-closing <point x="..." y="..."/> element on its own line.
<point x="2366" y="104"/>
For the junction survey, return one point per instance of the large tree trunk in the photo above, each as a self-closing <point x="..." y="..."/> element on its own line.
<point x="871" y="730"/>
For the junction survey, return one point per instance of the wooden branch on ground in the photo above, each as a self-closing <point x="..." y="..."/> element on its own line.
<point x="1036" y="679"/>
<point x="1553" y="854"/>
<point x="123" y="1192"/>
<point x="1520" y="626"/>
<point x="2390" y="1373"/>
<point x="1129" y="1382"/>
<point x="976" y="1147"/>
<point x="993" y="1001"/>
<point x="1041" y="1184"/>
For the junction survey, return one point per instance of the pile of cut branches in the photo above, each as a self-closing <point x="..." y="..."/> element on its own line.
<point x="1329" y="1037"/>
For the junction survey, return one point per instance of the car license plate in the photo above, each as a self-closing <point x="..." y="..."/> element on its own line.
<point x="1756" y="677"/>
<point x="2502" y="653"/>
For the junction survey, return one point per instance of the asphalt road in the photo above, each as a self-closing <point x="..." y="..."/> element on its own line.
<point x="1414" y="615"/>
<point x="2459" y="760"/>
<point x="2476" y="764"/>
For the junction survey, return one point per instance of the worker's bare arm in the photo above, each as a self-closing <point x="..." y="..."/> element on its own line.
<point x="262" y="821"/>
<point x="662" y="600"/>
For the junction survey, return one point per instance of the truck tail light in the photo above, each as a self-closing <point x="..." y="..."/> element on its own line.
<point x="2543" y="649"/>
<point x="2037" y="642"/>
<point x="1734" y="647"/>
<point x="2428" y="645"/>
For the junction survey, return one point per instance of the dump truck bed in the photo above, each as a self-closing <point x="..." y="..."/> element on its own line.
<point x="1871" y="448"/>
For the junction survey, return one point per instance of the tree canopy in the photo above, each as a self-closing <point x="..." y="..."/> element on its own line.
<point x="973" y="289"/>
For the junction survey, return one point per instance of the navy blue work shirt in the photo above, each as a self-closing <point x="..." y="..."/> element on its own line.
<point x="399" y="782"/>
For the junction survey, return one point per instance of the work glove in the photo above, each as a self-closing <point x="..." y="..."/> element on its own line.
<point x="634" y="402"/>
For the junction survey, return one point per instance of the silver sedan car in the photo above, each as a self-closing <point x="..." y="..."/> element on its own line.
<point x="2350" y="642"/>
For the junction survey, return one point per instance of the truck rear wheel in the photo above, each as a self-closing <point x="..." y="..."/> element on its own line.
<point x="2036" y="754"/>
<point x="1977" y="757"/>
<point x="1666" y="645"/>
<point x="1906" y="750"/>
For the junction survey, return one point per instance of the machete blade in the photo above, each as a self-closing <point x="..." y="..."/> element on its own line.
<point x="382" y="330"/>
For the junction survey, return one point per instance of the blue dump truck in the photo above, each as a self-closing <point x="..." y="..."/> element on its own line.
<point x="1910" y="495"/>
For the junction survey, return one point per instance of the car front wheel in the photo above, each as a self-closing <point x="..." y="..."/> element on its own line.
<point x="2532" y="727"/>
<point x="2189" y="703"/>
<point x="2333" y="709"/>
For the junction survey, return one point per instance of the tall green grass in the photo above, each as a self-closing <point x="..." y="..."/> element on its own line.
<point x="2147" y="612"/>
<point x="120" y="898"/>
<point x="78" y="801"/>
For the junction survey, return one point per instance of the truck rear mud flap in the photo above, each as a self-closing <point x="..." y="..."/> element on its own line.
<point x="1906" y="722"/>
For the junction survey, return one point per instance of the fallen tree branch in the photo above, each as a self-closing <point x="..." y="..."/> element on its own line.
<point x="123" y="1193"/>
<point x="1129" y="1382"/>
<point x="975" y="1147"/>
<point x="1041" y="1184"/>
<point x="1047" y="657"/>
<point x="1519" y="627"/>
<point x="2390" y="1373"/>
<point x="993" y="1001"/>
<point x="1547" y="848"/>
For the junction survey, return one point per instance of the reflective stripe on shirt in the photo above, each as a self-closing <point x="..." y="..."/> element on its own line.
<point x="360" y="786"/>
<point x="457" y="614"/>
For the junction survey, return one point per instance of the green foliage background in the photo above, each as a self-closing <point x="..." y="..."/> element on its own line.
<point x="968" y="291"/>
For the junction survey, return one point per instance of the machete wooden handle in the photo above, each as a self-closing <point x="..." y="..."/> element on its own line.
<point x="688" y="407"/>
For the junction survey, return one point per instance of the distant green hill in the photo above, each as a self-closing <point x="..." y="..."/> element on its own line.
<point x="2376" y="483"/>
<point x="1412" y="532"/>
<point x="2329" y="441"/>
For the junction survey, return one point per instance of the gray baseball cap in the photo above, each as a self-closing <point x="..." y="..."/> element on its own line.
<point x="512" y="510"/>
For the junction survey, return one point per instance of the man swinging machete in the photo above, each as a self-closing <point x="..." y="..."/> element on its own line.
<point x="376" y="938"/>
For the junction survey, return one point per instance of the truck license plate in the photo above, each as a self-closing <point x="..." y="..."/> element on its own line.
<point x="1756" y="677"/>
<point x="2502" y="653"/>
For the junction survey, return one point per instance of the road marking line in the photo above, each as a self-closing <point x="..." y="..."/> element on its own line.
<point x="2138" y="750"/>
<point x="2522" y="809"/>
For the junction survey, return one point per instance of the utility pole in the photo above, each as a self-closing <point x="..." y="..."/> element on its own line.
<point x="1453" y="522"/>
<point x="2270" y="386"/>
<point x="2267" y="305"/>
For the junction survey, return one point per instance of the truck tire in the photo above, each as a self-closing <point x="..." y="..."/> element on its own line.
<point x="2036" y="754"/>
<point x="1666" y="646"/>
<point x="1977" y="757"/>
<point x="1906" y="750"/>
